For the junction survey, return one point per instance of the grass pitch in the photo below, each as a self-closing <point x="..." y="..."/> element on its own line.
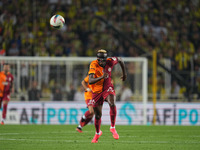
<point x="65" y="137"/>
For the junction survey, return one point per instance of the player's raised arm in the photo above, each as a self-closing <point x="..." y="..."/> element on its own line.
<point x="12" y="86"/>
<point x="121" y="62"/>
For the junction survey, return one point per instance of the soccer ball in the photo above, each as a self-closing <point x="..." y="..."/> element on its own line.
<point x="57" y="21"/>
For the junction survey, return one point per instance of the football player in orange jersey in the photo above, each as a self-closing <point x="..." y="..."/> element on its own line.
<point x="103" y="89"/>
<point x="87" y="117"/>
<point x="7" y="89"/>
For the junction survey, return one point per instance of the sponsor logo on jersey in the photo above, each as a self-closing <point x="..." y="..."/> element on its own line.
<point x="110" y="89"/>
<point x="109" y="69"/>
<point x="93" y="101"/>
<point x="90" y="102"/>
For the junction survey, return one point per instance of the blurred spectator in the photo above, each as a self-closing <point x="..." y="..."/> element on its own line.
<point x="71" y="93"/>
<point x="170" y="27"/>
<point x="79" y="95"/>
<point x="197" y="58"/>
<point x="57" y="95"/>
<point x="2" y="52"/>
<point x="126" y="93"/>
<point x="198" y="87"/>
<point x="137" y="19"/>
<point x="34" y="94"/>
<point x="24" y="52"/>
<point x="63" y="89"/>
<point x="175" y="90"/>
<point x="160" y="86"/>
<point x="22" y="98"/>
<point x="24" y="76"/>
<point x="197" y="81"/>
<point x="182" y="59"/>
<point x="14" y="50"/>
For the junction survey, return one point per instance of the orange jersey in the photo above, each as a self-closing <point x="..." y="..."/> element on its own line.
<point x="88" y="95"/>
<point x="2" y="81"/>
<point x="98" y="72"/>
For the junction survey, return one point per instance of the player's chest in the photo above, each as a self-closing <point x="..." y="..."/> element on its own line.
<point x="108" y="69"/>
<point x="8" y="79"/>
<point x="99" y="72"/>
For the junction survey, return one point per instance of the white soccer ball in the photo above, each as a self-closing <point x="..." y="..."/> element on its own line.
<point x="57" y="21"/>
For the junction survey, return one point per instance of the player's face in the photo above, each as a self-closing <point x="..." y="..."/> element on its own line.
<point x="102" y="61"/>
<point x="6" y="68"/>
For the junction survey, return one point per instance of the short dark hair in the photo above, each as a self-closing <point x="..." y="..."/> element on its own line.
<point x="102" y="53"/>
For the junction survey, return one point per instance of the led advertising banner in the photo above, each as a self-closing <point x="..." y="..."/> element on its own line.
<point x="127" y="113"/>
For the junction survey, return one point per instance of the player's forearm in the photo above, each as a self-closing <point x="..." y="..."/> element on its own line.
<point x="12" y="90"/>
<point x="93" y="80"/>
<point x="84" y="84"/>
<point x="11" y="85"/>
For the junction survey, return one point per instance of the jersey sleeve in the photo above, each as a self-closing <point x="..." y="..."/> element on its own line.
<point x="92" y="68"/>
<point x="113" y="61"/>
<point x="86" y="79"/>
<point x="2" y="80"/>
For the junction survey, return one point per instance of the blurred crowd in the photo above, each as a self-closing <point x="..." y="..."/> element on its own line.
<point x="171" y="27"/>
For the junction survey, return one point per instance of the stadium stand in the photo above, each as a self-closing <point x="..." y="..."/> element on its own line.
<point x="172" y="28"/>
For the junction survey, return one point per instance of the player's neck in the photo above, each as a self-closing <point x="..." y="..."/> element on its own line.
<point x="102" y="66"/>
<point x="6" y="72"/>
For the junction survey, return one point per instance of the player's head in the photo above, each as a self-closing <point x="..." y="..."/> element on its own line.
<point x="102" y="57"/>
<point x="6" y="67"/>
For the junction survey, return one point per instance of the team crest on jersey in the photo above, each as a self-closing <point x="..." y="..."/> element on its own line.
<point x="109" y="69"/>
<point x="110" y="89"/>
<point x="114" y="58"/>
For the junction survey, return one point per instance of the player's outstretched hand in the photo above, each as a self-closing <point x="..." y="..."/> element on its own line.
<point x="123" y="78"/>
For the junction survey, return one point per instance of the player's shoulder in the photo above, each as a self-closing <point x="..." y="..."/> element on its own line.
<point x="10" y="74"/>
<point x="2" y="73"/>
<point x="94" y="62"/>
<point x="112" y="59"/>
